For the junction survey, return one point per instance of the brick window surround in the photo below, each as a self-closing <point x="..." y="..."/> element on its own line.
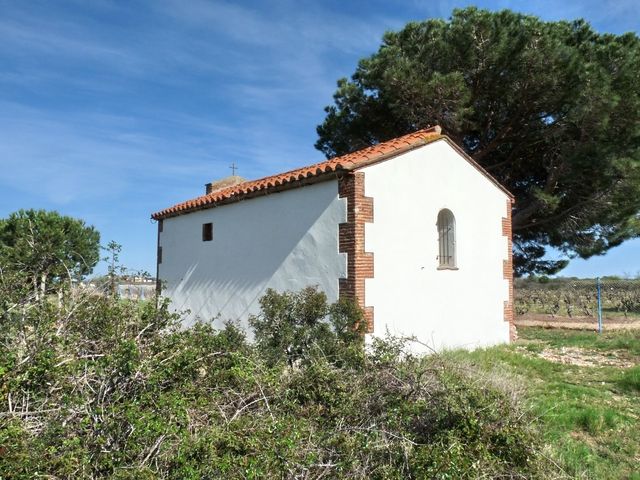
<point x="351" y="242"/>
<point x="507" y="270"/>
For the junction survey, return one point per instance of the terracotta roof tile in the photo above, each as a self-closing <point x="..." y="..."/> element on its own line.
<point x="347" y="162"/>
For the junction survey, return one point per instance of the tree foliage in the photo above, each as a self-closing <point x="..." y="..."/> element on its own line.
<point x="551" y="109"/>
<point x="46" y="247"/>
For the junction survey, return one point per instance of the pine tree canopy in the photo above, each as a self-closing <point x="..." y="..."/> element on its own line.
<point x="551" y="109"/>
<point x="48" y="247"/>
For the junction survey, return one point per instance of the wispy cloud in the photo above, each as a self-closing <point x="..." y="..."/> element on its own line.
<point x="111" y="110"/>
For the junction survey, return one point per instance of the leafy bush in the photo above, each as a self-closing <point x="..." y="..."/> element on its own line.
<point x="104" y="388"/>
<point x="298" y="326"/>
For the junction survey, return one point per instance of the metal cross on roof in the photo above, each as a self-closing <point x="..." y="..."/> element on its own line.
<point x="233" y="168"/>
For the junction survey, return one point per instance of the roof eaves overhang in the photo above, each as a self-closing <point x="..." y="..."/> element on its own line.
<point x="308" y="176"/>
<point x="252" y="194"/>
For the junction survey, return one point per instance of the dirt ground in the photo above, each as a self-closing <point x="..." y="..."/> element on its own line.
<point x="584" y="357"/>
<point x="576" y="323"/>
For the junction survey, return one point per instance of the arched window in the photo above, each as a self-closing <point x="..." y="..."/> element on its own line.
<point x="446" y="239"/>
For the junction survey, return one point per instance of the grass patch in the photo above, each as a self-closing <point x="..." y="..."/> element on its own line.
<point x="630" y="379"/>
<point x="589" y="414"/>
<point x="625" y="340"/>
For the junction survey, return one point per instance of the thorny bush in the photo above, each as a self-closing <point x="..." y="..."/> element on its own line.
<point x="99" y="387"/>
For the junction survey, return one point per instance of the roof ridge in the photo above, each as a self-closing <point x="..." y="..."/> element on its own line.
<point x="435" y="129"/>
<point x="345" y="162"/>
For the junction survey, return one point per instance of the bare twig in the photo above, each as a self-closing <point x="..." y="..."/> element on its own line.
<point x="153" y="449"/>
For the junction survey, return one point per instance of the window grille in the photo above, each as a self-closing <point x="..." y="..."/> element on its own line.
<point x="446" y="239"/>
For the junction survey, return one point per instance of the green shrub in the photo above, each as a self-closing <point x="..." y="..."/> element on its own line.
<point x="106" y="388"/>
<point x="297" y="326"/>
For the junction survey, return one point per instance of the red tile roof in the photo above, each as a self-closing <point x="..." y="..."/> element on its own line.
<point x="293" y="178"/>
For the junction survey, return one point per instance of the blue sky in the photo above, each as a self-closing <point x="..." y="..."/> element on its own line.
<point x="111" y="110"/>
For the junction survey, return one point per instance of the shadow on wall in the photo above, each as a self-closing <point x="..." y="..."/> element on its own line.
<point x="285" y="241"/>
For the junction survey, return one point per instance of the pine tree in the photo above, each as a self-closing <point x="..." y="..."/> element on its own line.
<point x="551" y="109"/>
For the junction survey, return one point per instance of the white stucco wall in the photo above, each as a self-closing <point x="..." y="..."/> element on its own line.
<point x="285" y="241"/>
<point x="410" y="296"/>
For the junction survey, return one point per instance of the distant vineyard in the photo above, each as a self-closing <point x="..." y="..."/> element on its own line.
<point x="578" y="298"/>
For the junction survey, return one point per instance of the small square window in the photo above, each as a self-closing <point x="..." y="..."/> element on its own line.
<point x="207" y="232"/>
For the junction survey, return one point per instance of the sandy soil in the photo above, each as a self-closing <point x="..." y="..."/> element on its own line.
<point x="585" y="358"/>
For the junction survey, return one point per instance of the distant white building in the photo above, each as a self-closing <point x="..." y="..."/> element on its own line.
<point x="413" y="229"/>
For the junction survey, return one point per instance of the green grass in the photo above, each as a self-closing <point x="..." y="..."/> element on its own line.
<point x="630" y="379"/>
<point x="627" y="341"/>
<point x="590" y="415"/>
